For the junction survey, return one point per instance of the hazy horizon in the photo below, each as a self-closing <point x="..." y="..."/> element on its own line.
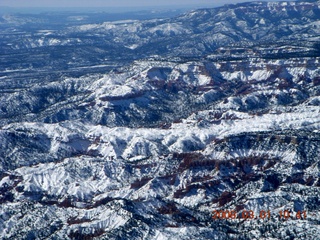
<point x="105" y="4"/>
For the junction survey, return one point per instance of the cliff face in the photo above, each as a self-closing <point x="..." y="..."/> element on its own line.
<point x="163" y="147"/>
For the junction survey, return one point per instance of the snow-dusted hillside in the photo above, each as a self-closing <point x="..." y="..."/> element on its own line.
<point x="95" y="146"/>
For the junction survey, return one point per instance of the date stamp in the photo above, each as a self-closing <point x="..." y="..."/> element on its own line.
<point x="262" y="215"/>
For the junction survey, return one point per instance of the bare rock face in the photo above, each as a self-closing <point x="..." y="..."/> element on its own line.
<point x="200" y="126"/>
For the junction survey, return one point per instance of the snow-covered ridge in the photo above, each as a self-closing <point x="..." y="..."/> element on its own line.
<point x="196" y="33"/>
<point x="109" y="164"/>
<point x="149" y="149"/>
<point x="260" y="84"/>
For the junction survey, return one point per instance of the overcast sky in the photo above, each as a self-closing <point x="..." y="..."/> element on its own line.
<point x="110" y="3"/>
